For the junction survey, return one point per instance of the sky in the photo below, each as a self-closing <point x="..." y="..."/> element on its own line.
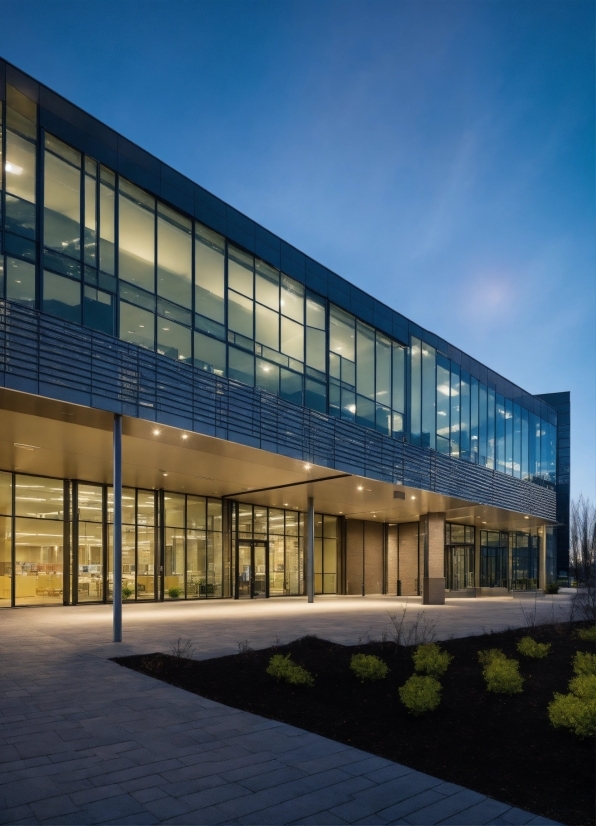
<point x="440" y="155"/>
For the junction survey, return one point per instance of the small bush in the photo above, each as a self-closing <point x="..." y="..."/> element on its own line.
<point x="126" y="592"/>
<point x="420" y="694"/>
<point x="431" y="660"/>
<point x="174" y="593"/>
<point x="368" y="667"/>
<point x="490" y="655"/>
<point x="587" y="634"/>
<point x="552" y="588"/>
<point x="576" y="710"/>
<point x="502" y="676"/>
<point x="282" y="668"/>
<point x="528" y="647"/>
<point x="584" y="663"/>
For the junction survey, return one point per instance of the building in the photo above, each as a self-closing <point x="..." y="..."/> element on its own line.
<point x="262" y="399"/>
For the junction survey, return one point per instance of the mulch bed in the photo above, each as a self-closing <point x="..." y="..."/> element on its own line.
<point x="501" y="746"/>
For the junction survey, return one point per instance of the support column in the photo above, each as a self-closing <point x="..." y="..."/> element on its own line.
<point x="432" y="532"/>
<point x="542" y="539"/>
<point x="310" y="550"/>
<point x="117" y="584"/>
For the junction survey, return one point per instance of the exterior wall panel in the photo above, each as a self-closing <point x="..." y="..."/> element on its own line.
<point x="408" y="558"/>
<point x="354" y="556"/>
<point x="373" y="557"/>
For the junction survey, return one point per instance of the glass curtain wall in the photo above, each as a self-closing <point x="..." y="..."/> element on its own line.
<point x="524" y="554"/>
<point x="283" y="531"/>
<point x="6" y="573"/>
<point x="494" y="559"/>
<point x="185" y="292"/>
<point x="90" y="533"/>
<point x="326" y="551"/>
<point x="194" y="565"/>
<point x="459" y="556"/>
<point x="39" y="540"/>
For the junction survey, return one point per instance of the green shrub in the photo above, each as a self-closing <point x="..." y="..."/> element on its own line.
<point x="490" y="655"/>
<point x="584" y="663"/>
<point x="502" y="676"/>
<point x="126" y="592"/>
<point x="420" y="694"/>
<point x="431" y="660"/>
<point x="282" y="668"/>
<point x="174" y="593"/>
<point x="552" y="588"/>
<point x="528" y="647"/>
<point x="576" y="710"/>
<point x="368" y="667"/>
<point x="587" y="634"/>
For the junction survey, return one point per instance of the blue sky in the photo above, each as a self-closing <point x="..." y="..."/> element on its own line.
<point x="438" y="154"/>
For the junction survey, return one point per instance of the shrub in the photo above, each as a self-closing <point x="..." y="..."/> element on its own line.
<point x="490" y="655"/>
<point x="174" y="593"/>
<point x="576" y="710"/>
<point x="126" y="592"/>
<point x="282" y="668"/>
<point x="552" y="588"/>
<point x="502" y="676"/>
<point x="420" y="694"/>
<point x="430" y="659"/>
<point x="368" y="667"/>
<point x="584" y="663"/>
<point x="587" y="634"/>
<point x="528" y="647"/>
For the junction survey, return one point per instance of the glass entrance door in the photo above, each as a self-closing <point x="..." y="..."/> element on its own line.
<point x="460" y="571"/>
<point x="252" y="569"/>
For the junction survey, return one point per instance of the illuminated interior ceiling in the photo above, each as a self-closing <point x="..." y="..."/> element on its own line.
<point x="51" y="438"/>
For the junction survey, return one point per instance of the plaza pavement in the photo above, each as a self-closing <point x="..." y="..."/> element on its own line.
<point x="85" y="741"/>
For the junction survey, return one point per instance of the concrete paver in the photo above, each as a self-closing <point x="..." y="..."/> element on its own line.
<point x="85" y="741"/>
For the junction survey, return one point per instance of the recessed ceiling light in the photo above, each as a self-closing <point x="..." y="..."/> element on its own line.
<point x="526" y="517"/>
<point x="156" y="432"/>
<point x="164" y="474"/>
<point x="285" y="504"/>
<point x="484" y="523"/>
<point x="412" y="497"/>
<point x="307" y="467"/>
<point x="185" y="435"/>
<point x="360" y="487"/>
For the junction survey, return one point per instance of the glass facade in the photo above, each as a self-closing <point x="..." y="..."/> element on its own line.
<point x="83" y="243"/>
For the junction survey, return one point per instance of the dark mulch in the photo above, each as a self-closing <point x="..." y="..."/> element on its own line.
<point x="501" y="746"/>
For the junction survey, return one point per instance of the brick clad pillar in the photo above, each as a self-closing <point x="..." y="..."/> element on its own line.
<point x="408" y="559"/>
<point x="432" y="536"/>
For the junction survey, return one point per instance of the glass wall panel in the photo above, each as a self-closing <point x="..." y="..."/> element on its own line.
<point x="292" y="299"/>
<point x="341" y="333"/>
<point x="136" y="244"/>
<point x="38" y="560"/>
<point x="267" y="285"/>
<point x="500" y="434"/>
<point x="416" y="390"/>
<point x="241" y="366"/>
<point x="20" y="165"/>
<point x="429" y="396"/>
<point x="398" y="389"/>
<point x="266" y="326"/>
<point x="240" y="272"/>
<point x="465" y="452"/>
<point x="209" y="354"/>
<point x="474" y="434"/>
<point x="443" y="404"/>
<point x="62" y="297"/>
<point x="173" y="340"/>
<point x="482" y="422"/>
<point x="454" y="410"/>
<point x="383" y="371"/>
<point x="90" y="207"/>
<point x="5" y="559"/>
<point x="365" y="361"/>
<point x="517" y="433"/>
<point x="107" y="221"/>
<point x="240" y="314"/>
<point x="62" y="198"/>
<point x="174" y="256"/>
<point x="98" y="310"/>
<point x="90" y="543"/>
<point x="525" y="444"/>
<point x="490" y="434"/>
<point x="145" y="562"/>
<point x="509" y="436"/>
<point x="292" y="339"/>
<point x="209" y="274"/>
<point x="137" y="326"/>
<point x="39" y="497"/>
<point x="20" y="281"/>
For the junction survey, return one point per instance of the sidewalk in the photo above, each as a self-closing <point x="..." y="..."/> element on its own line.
<point x="85" y="741"/>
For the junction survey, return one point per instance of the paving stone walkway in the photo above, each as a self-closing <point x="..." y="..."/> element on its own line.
<point x="84" y="741"/>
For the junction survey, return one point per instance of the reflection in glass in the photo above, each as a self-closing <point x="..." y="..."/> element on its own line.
<point x="137" y="326"/>
<point x="62" y="297"/>
<point x="20" y="281"/>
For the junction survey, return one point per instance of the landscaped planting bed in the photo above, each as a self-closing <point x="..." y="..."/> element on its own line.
<point x="502" y="745"/>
